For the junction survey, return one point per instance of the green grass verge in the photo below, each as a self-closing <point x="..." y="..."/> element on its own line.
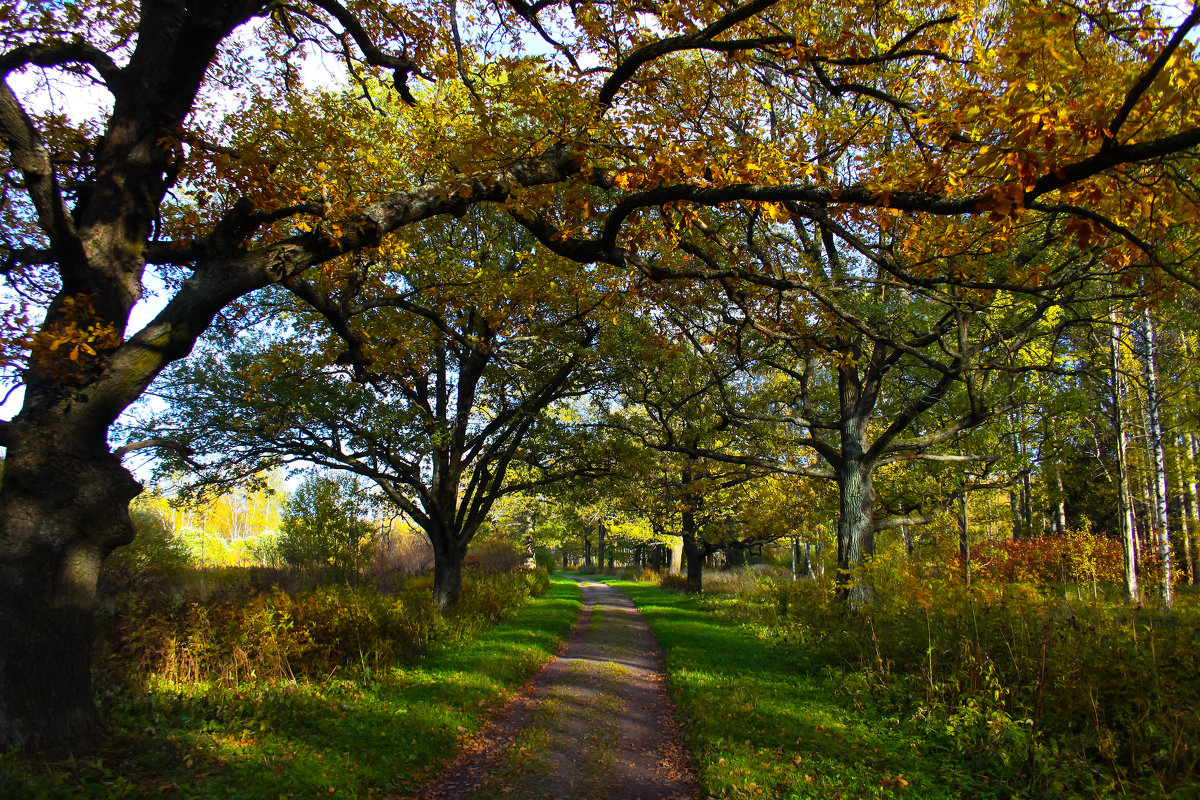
<point x="361" y="735"/>
<point x="767" y="720"/>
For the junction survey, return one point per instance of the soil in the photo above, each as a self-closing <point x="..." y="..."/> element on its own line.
<point x="595" y="724"/>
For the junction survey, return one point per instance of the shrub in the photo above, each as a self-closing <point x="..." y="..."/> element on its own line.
<point x="495" y="556"/>
<point x="673" y="582"/>
<point x="1022" y="686"/>
<point x="1079" y="557"/>
<point x="324" y="529"/>
<point x="488" y="597"/>
<point x="156" y="555"/>
<point x="271" y="636"/>
<point x="281" y="636"/>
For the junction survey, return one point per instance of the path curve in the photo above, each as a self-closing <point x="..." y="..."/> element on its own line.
<point x="595" y="722"/>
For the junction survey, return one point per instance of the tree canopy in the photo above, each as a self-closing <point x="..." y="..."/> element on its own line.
<point x="206" y="173"/>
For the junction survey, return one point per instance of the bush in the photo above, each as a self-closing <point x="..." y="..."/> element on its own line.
<point x="495" y="557"/>
<point x="277" y="636"/>
<point x="1080" y="557"/>
<point x="324" y="529"/>
<point x="155" y="556"/>
<point x="1022" y="686"/>
<point x="488" y="597"/>
<point x="673" y="582"/>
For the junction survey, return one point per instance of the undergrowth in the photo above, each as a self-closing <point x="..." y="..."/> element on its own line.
<point x="337" y="692"/>
<point x="998" y="690"/>
<point x="1053" y="696"/>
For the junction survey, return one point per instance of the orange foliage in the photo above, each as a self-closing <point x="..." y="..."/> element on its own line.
<point x="1079" y="557"/>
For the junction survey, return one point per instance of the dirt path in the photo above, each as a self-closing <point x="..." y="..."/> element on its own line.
<point x="594" y="724"/>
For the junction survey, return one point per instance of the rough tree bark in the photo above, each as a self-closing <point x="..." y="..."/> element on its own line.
<point x="694" y="553"/>
<point x="447" y="570"/>
<point x="854" y="471"/>
<point x="65" y="506"/>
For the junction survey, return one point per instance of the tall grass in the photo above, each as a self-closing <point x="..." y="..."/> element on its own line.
<point x="337" y="692"/>
<point x="1024" y="687"/>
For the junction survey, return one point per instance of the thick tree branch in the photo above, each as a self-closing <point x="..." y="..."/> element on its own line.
<point x="933" y="457"/>
<point x="401" y="66"/>
<point x="182" y="450"/>
<point x="647" y="53"/>
<point x="60" y="54"/>
<point x="910" y="519"/>
<point x="1143" y="83"/>
<point x="31" y="156"/>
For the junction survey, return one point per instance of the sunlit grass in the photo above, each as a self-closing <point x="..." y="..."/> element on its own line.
<point x="767" y="720"/>
<point x="1016" y="693"/>
<point x="360" y="734"/>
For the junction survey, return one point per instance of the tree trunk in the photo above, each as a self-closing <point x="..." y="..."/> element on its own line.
<point x="694" y="557"/>
<point x="63" y="508"/>
<point x="856" y="532"/>
<point x="1027" y="503"/>
<point x="1060" y="502"/>
<point x="854" y="473"/>
<point x="600" y="545"/>
<point x="447" y="570"/>
<point x="587" y="550"/>
<point x="527" y="540"/>
<point x="1124" y="493"/>
<point x="694" y="553"/>
<point x="1014" y="505"/>
<point x="1161" y="530"/>
<point x="1189" y="507"/>
<point x="964" y="541"/>
<point x="1193" y="494"/>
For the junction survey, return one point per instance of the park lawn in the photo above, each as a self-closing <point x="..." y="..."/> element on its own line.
<point x="767" y="720"/>
<point x="360" y="734"/>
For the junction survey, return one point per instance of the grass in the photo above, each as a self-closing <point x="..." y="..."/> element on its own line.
<point x="365" y="734"/>
<point x="785" y="697"/>
<point x="770" y="720"/>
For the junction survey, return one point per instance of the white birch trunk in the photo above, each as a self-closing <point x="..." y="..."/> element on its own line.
<point x="1161" y="528"/>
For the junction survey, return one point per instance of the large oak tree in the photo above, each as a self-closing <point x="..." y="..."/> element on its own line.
<point x="444" y="381"/>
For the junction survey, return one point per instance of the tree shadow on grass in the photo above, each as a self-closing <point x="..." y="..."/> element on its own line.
<point x="359" y="734"/>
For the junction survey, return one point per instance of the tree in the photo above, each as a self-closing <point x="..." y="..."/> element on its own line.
<point x="879" y="361"/>
<point x="441" y="379"/>
<point x="685" y="462"/>
<point x="325" y="527"/>
<point x="89" y="218"/>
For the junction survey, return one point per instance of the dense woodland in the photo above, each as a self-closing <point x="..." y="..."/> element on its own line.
<point x="876" y="319"/>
